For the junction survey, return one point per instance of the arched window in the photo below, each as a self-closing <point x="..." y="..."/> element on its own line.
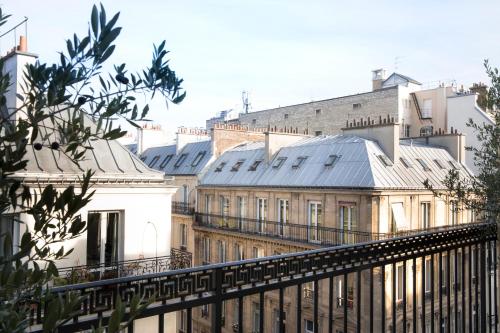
<point x="426" y="131"/>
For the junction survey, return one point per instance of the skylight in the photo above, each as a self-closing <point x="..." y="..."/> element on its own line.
<point x="153" y="161"/>
<point x="180" y="160"/>
<point x="165" y="161"/>
<point x="237" y="165"/>
<point x="279" y="162"/>
<point x="298" y="162"/>
<point x="405" y="162"/>
<point x="440" y="164"/>
<point x="254" y="166"/>
<point x="454" y="164"/>
<point x="423" y="164"/>
<point x="331" y="160"/>
<point x="385" y="160"/>
<point x="198" y="158"/>
<point x="220" y="167"/>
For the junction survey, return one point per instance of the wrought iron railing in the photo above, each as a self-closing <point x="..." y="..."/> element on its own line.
<point x="178" y="259"/>
<point x="184" y="208"/>
<point x="375" y="272"/>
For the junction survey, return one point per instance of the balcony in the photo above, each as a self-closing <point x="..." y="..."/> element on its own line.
<point x="371" y="266"/>
<point x="177" y="259"/>
<point x="182" y="208"/>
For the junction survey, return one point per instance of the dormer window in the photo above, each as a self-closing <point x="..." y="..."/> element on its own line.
<point x="220" y="167"/>
<point x="254" y="166"/>
<point x="237" y="165"/>
<point x="385" y="160"/>
<point x="279" y="162"/>
<point x="165" y="161"/>
<point x="198" y="158"/>
<point x="331" y="160"/>
<point x="405" y="162"/>
<point x="153" y="161"/>
<point x="423" y="164"/>
<point x="143" y="158"/>
<point x="298" y="162"/>
<point x="180" y="160"/>
<point x="440" y="164"/>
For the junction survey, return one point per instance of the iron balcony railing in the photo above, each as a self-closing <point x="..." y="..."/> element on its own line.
<point x="178" y="259"/>
<point x="184" y="208"/>
<point x="388" y="282"/>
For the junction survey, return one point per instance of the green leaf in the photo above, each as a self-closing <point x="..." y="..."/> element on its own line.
<point x="94" y="21"/>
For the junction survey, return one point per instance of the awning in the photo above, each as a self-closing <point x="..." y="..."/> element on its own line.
<point x="398" y="213"/>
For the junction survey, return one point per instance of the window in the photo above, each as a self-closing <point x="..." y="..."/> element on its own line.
<point x="399" y="282"/>
<point x="183" y="231"/>
<point x="405" y="162"/>
<point x="204" y="311"/>
<point x="318" y="112"/>
<point x="254" y="121"/>
<point x="428" y="282"/>
<point x="314" y="220"/>
<point x="454" y="164"/>
<point x="399" y="222"/>
<point x="439" y="163"/>
<point x="153" y="161"/>
<point x="279" y="162"/>
<point x="298" y="162"/>
<point x="165" y="161"/>
<point x="282" y="215"/>
<point x="385" y="160"/>
<point x="444" y="272"/>
<point x="261" y="213"/>
<point x="224" y="207"/>
<point x="423" y="164"/>
<point x="198" y="158"/>
<point x="208" y="204"/>
<point x="426" y="131"/>
<point x="308" y="326"/>
<point x="318" y="133"/>
<point x="220" y="167"/>
<point x="182" y="321"/>
<point x="255" y="318"/>
<point x="308" y="290"/>
<point x="185" y="193"/>
<point x="221" y="250"/>
<point x="406" y="131"/>
<point x="9" y="225"/>
<point x="237" y="165"/>
<point x="276" y="321"/>
<point x="331" y="160"/>
<point x="257" y="252"/>
<point x="471" y="215"/>
<point x="286" y="115"/>
<point x="241" y="211"/>
<point x="239" y="253"/>
<point x="206" y="250"/>
<point x="356" y="106"/>
<point x="143" y="158"/>
<point x="427" y="108"/>
<point x="103" y="243"/>
<point x="347" y="220"/>
<point x="453" y="212"/>
<point x="236" y="312"/>
<point x="254" y="166"/>
<point x="425" y="214"/>
<point x="180" y="160"/>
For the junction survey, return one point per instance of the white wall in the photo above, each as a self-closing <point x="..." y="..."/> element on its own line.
<point x="138" y="205"/>
<point x="460" y="109"/>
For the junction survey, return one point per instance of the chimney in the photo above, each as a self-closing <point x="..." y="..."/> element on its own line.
<point x="453" y="142"/>
<point x="15" y="62"/>
<point x="276" y="140"/>
<point x="386" y="133"/>
<point x="186" y="135"/>
<point x="378" y="77"/>
<point x="226" y="136"/>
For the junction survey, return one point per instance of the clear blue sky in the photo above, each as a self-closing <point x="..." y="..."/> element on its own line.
<point x="282" y="52"/>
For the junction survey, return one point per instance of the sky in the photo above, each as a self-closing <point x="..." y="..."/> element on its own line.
<point x="282" y="52"/>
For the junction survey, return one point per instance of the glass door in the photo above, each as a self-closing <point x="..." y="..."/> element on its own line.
<point x="315" y="217"/>
<point x="261" y="214"/>
<point x="102" y="238"/>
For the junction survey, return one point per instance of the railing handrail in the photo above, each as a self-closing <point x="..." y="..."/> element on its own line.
<point x="353" y="247"/>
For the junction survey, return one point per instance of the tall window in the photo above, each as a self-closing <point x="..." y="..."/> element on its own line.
<point x="241" y="211"/>
<point x="282" y="215"/>
<point x="428" y="268"/>
<point x="185" y="192"/>
<point x="208" y="206"/>
<point x="453" y="212"/>
<point x="103" y="242"/>
<point x="399" y="282"/>
<point x="425" y="214"/>
<point x="224" y="208"/>
<point x="309" y="326"/>
<point x="427" y="108"/>
<point x="9" y="226"/>
<point x="236" y="312"/>
<point x="255" y="318"/>
<point x="221" y="250"/>
<point x="276" y="321"/>
<point x="314" y="220"/>
<point x="183" y="321"/>
<point x="239" y="253"/>
<point x="206" y="250"/>
<point x="348" y="222"/>
<point x="183" y="234"/>
<point x="257" y="252"/>
<point x="261" y="214"/>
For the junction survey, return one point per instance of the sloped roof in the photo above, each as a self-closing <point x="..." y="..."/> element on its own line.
<point x="359" y="165"/>
<point x="108" y="159"/>
<point x="398" y="77"/>
<point x="164" y="158"/>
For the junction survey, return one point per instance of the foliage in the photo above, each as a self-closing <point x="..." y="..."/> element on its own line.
<point x="482" y="193"/>
<point x="76" y="101"/>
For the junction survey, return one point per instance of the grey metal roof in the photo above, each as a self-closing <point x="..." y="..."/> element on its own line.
<point x="359" y="165"/>
<point x="197" y="156"/>
<point x="404" y="77"/>
<point x="108" y="159"/>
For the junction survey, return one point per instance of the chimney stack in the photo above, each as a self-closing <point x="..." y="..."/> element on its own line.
<point x="23" y="44"/>
<point x="378" y="77"/>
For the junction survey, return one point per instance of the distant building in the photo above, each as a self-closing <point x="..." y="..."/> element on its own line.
<point x="223" y="117"/>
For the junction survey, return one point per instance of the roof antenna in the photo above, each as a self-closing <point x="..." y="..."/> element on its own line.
<point x="246" y="104"/>
<point x="397" y="61"/>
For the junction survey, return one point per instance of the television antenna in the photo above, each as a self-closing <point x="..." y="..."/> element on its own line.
<point x="246" y="103"/>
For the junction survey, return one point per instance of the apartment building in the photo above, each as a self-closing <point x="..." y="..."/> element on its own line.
<point x="294" y="192"/>
<point x="420" y="111"/>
